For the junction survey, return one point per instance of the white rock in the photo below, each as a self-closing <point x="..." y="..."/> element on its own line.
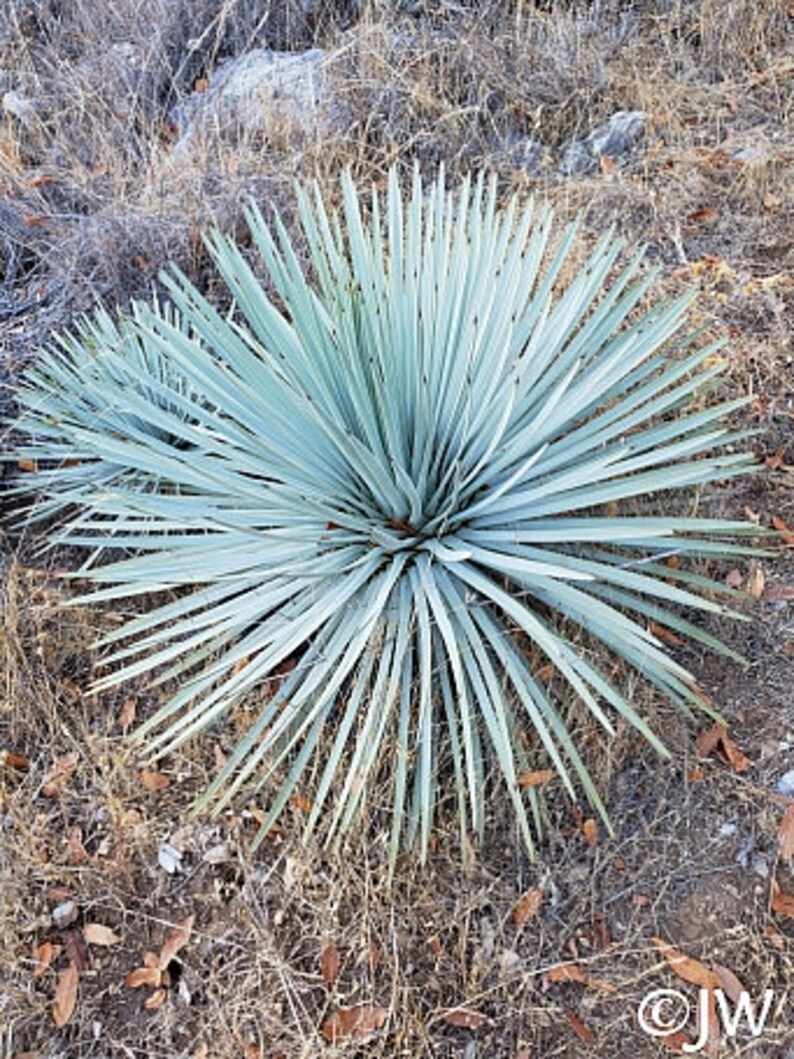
<point x="256" y="90"/>
<point x="19" y="106"/>
<point x="169" y="858"/>
<point x="64" y="914"/>
<point x="785" y="785"/>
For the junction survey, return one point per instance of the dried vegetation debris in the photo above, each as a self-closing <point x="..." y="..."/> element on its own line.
<point x="303" y="953"/>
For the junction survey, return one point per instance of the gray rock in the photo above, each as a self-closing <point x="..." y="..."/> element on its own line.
<point x="576" y="159"/>
<point x="20" y="106"/>
<point x="619" y="135"/>
<point x="525" y="152"/>
<point x="785" y="785"/>
<point x="614" y="139"/>
<point x="250" y="92"/>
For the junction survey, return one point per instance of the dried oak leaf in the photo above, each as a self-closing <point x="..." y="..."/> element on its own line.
<point x="717" y="737"/>
<point x="579" y="1028"/>
<point x="151" y="976"/>
<point x="782" y="904"/>
<point x="567" y="972"/>
<point x="126" y="717"/>
<point x="44" y="954"/>
<point x="661" y="632"/>
<point x="465" y="1018"/>
<point x="156" y="1000"/>
<point x="785" y="835"/>
<point x="13" y="761"/>
<point x="735" y="757"/>
<point x="675" y="1041"/>
<point x="756" y="581"/>
<point x="153" y="781"/>
<point x="528" y="906"/>
<point x="779" y="593"/>
<point x="786" y="534"/>
<point x="176" y="940"/>
<point x="734" y="578"/>
<point x="60" y="774"/>
<point x="357" y="1023"/>
<point x="536" y="778"/>
<point x="729" y="983"/>
<point x="590" y="832"/>
<point x="329" y="964"/>
<point x="687" y="967"/>
<point x="99" y="934"/>
<point x="65" y="995"/>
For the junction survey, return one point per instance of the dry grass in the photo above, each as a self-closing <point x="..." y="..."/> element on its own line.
<point x="92" y="205"/>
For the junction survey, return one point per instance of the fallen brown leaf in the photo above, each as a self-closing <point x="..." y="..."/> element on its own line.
<point x="60" y="774"/>
<point x="675" y="1041"/>
<point x="734" y="578"/>
<point x="535" y="778"/>
<point x="687" y="967"/>
<point x="786" y="534"/>
<point x="13" y="761"/>
<point x="44" y="954"/>
<point x="578" y="1027"/>
<point x="75" y="850"/>
<point x="779" y="593"/>
<point x="329" y="964"/>
<point x="98" y="934"/>
<point x="126" y="716"/>
<point x="602" y="984"/>
<point x="153" y="781"/>
<point x="785" y="835"/>
<point x="782" y="904"/>
<point x="775" y="938"/>
<point x="661" y="632"/>
<point x="65" y="995"/>
<point x="144" y="976"/>
<point x="776" y="460"/>
<point x="76" y="951"/>
<point x="729" y="983"/>
<point x="708" y="740"/>
<point x="175" y="941"/>
<point x="590" y="832"/>
<point x="717" y="736"/>
<point x="301" y="802"/>
<point x="156" y="1000"/>
<point x="465" y="1018"/>
<point x="528" y="906"/>
<point x="756" y="580"/>
<point x="600" y="937"/>
<point x="567" y="972"/>
<point x="357" y="1022"/>
<point x="736" y="758"/>
<point x="704" y="216"/>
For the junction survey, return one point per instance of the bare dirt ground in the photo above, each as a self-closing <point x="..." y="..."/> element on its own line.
<point x="303" y="952"/>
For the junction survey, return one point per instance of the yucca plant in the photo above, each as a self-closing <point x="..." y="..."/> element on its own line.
<point x="383" y="498"/>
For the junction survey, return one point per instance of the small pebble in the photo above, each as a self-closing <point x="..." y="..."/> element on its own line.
<point x="63" y="915"/>
<point x="169" y="858"/>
